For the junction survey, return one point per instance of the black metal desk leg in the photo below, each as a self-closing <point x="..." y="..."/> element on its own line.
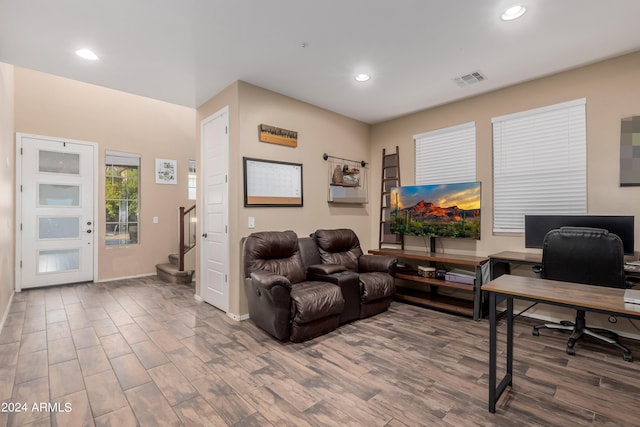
<point x="492" y="352"/>
<point x="510" y="340"/>
<point x="495" y="391"/>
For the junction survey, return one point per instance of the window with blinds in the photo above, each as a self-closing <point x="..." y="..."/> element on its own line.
<point x="539" y="164"/>
<point x="446" y="155"/>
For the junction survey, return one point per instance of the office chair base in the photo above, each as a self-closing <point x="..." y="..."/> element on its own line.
<point x="579" y="329"/>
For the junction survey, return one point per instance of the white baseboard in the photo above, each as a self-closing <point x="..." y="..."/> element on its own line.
<point x="238" y="318"/>
<point x="198" y="298"/>
<point x="125" y="277"/>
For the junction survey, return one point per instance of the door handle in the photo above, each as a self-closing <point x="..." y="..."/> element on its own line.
<point x="89" y="231"/>
<point x="204" y="235"/>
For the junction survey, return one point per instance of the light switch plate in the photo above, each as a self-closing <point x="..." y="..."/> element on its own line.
<point x="252" y="222"/>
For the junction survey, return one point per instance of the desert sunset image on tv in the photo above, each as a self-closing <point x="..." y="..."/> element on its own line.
<point x="445" y="210"/>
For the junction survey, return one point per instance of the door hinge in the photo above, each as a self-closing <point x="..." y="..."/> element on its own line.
<point x="226" y="129"/>
<point x="225" y="229"/>
<point x="21" y="188"/>
<point x="226" y="180"/>
<point x="225" y="277"/>
<point x="20" y="263"/>
<point x="20" y="226"/>
<point x="21" y="151"/>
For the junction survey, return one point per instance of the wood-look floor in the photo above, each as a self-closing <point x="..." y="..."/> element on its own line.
<point x="143" y="352"/>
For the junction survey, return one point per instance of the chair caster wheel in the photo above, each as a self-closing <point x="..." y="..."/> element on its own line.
<point x="571" y="351"/>
<point x="535" y="332"/>
<point x="628" y="357"/>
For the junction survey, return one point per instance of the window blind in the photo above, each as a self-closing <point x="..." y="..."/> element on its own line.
<point x="539" y="164"/>
<point x="121" y="159"/>
<point x="446" y="155"/>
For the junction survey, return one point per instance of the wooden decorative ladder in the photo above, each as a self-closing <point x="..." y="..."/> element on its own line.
<point x="390" y="179"/>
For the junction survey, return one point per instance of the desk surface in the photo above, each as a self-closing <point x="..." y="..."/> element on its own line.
<point x="597" y="298"/>
<point x="524" y="257"/>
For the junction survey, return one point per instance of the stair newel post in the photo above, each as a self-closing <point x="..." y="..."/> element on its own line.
<point x="181" y="238"/>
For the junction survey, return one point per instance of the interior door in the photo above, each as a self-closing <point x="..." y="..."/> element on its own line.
<point x="215" y="208"/>
<point x="56" y="218"/>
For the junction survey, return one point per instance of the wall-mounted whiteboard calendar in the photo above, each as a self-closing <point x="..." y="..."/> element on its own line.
<point x="272" y="183"/>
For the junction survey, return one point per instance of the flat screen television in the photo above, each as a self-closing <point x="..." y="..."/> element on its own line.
<point x="444" y="210"/>
<point x="537" y="226"/>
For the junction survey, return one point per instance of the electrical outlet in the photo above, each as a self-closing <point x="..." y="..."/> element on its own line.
<point x="155" y="219"/>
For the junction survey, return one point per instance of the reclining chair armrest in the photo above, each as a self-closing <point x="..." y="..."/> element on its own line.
<point x="267" y="280"/>
<point x="326" y="268"/>
<point x="382" y="263"/>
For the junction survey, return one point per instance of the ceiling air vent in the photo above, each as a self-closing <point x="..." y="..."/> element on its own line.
<point x="469" y="79"/>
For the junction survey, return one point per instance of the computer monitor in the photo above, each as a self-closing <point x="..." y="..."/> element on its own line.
<point x="537" y="226"/>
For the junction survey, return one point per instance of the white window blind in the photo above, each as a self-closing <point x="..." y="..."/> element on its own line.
<point x="539" y="164"/>
<point x="446" y="155"/>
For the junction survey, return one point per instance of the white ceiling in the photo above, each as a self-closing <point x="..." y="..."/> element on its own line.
<point x="186" y="51"/>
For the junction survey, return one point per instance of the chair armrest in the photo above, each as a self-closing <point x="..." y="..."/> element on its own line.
<point x="383" y="263"/>
<point x="326" y="268"/>
<point x="267" y="280"/>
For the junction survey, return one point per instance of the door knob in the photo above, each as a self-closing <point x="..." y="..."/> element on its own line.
<point x="204" y="235"/>
<point x="89" y="231"/>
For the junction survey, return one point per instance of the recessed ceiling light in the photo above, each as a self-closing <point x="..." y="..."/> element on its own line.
<point x="87" y="54"/>
<point x="362" y="77"/>
<point x="512" y="13"/>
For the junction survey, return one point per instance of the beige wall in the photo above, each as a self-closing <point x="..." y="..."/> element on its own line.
<point x="7" y="189"/>
<point x="319" y="131"/>
<point x="612" y="93"/>
<point x="59" y="107"/>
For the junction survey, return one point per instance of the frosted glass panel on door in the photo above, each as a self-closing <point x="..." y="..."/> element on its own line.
<point x="58" y="227"/>
<point x="55" y="162"/>
<point x="58" y="195"/>
<point x="55" y="261"/>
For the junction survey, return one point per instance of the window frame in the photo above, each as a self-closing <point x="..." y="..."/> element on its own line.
<point x="116" y="159"/>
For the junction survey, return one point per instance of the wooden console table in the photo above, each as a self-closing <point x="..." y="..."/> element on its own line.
<point x="572" y="295"/>
<point x="431" y="298"/>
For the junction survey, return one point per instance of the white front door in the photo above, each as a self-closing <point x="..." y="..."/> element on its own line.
<point x="215" y="208"/>
<point x="55" y="236"/>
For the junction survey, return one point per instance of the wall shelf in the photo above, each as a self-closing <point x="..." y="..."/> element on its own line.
<point x="347" y="180"/>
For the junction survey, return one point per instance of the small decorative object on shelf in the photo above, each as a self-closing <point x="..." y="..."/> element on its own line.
<point x="347" y="180"/>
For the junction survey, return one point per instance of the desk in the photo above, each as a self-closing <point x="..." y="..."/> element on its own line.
<point x="500" y="263"/>
<point x="572" y="295"/>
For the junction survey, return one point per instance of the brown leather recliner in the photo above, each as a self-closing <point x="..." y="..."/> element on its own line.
<point x="333" y="273"/>
<point x="281" y="299"/>
<point x="375" y="272"/>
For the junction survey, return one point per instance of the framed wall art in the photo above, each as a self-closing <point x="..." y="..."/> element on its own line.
<point x="166" y="171"/>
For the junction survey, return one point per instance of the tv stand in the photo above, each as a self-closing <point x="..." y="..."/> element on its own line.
<point x="428" y="296"/>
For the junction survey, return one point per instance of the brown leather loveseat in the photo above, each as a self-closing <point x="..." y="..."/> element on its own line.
<point x="298" y="291"/>
<point x="375" y="273"/>
<point x="281" y="299"/>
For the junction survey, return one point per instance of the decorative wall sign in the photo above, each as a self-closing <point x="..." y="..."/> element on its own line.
<point x="166" y="171"/>
<point x="630" y="151"/>
<point x="276" y="135"/>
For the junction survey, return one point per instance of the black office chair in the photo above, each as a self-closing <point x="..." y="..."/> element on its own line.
<point x="584" y="255"/>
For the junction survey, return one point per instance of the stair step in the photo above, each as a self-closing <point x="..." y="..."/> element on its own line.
<point x="169" y="273"/>
<point x="174" y="259"/>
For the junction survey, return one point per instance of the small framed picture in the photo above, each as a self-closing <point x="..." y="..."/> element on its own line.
<point x="166" y="171"/>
